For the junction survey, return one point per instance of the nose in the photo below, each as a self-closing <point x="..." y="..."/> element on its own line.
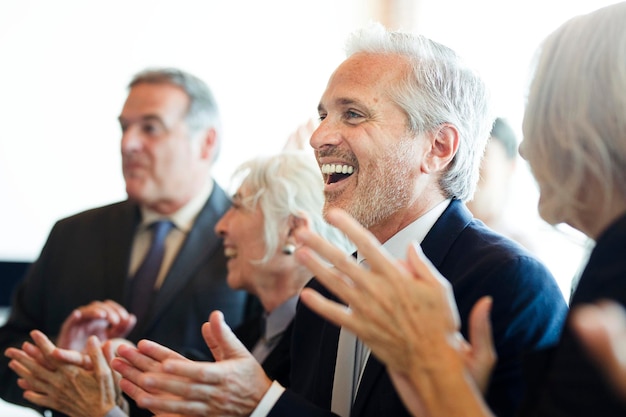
<point x="222" y="223"/>
<point x="131" y="140"/>
<point x="520" y="149"/>
<point x="326" y="134"/>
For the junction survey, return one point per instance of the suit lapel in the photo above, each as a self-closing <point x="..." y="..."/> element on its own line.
<point x="444" y="232"/>
<point x="200" y="243"/>
<point x="117" y="246"/>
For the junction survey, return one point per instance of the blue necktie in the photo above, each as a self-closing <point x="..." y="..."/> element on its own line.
<point x="146" y="275"/>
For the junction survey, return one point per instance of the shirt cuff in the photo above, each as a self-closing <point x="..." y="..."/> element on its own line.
<point x="116" y="412"/>
<point x="269" y="399"/>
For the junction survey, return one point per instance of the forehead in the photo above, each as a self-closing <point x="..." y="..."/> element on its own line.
<point x="155" y="99"/>
<point x="365" y="77"/>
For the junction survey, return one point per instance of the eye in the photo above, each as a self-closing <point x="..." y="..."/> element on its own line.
<point x="351" y="114"/>
<point x="322" y="116"/>
<point x="151" y="128"/>
<point x="352" y="117"/>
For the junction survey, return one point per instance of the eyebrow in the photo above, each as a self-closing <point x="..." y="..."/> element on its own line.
<point x="341" y="102"/>
<point x="146" y="118"/>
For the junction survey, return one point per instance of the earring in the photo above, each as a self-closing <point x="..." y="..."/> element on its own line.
<point x="289" y="249"/>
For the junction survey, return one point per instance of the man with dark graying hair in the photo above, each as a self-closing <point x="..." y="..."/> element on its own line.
<point x="86" y="280"/>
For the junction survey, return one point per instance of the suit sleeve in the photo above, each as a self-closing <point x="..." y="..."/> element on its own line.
<point x="291" y="404"/>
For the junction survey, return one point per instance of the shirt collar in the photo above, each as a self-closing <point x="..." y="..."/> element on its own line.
<point x="277" y="321"/>
<point x="184" y="217"/>
<point x="414" y="232"/>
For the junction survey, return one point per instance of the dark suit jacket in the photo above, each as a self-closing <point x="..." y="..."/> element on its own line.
<point x="527" y="314"/>
<point x="277" y="365"/>
<point x="563" y="380"/>
<point x="86" y="258"/>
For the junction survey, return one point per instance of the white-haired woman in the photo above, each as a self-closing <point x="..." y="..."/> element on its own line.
<point x="274" y="193"/>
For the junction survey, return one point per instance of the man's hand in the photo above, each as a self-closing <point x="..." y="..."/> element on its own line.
<point x="104" y="319"/>
<point x="165" y="384"/>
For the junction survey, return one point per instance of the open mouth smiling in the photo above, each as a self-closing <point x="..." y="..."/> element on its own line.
<point x="333" y="173"/>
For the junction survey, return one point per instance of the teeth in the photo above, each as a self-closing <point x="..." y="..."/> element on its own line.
<point x="337" y="169"/>
<point x="230" y="253"/>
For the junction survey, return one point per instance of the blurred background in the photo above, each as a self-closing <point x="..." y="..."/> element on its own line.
<point x="66" y="64"/>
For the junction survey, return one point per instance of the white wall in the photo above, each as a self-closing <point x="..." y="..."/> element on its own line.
<point x="65" y="65"/>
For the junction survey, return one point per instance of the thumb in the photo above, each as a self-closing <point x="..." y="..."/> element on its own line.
<point x="221" y="340"/>
<point x="483" y="357"/>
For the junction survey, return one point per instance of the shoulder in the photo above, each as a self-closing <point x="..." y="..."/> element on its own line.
<point x="114" y="211"/>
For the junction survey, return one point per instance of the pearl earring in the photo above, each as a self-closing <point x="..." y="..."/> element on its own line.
<point x="289" y="249"/>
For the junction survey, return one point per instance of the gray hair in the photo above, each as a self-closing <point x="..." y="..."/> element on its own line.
<point x="440" y="89"/>
<point x="202" y="113"/>
<point x="283" y="185"/>
<point x="575" y="120"/>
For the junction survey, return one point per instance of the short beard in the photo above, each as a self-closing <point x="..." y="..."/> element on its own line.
<point x="386" y="190"/>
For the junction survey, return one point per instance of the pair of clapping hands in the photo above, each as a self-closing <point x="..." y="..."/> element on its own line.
<point x="74" y="376"/>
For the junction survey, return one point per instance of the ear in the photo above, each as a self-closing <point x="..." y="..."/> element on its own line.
<point x="297" y="221"/>
<point x="443" y="146"/>
<point x="208" y="143"/>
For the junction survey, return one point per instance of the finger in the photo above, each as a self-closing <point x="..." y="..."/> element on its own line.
<point x="45" y="345"/>
<point x="421" y="266"/>
<point x="109" y="348"/>
<point x="92" y="311"/>
<point x="335" y="312"/>
<point x="207" y="372"/>
<point x="231" y="347"/>
<point x="211" y="341"/>
<point x="117" y="308"/>
<point x="129" y="387"/>
<point x="138" y="359"/>
<point x="424" y="270"/>
<point x="157" y="352"/>
<point x="128" y="372"/>
<point x="324" y="250"/>
<point x="30" y="370"/>
<point x="368" y="246"/>
<point x="481" y="340"/>
<point x="72" y="357"/>
<point x="35" y="352"/>
<point x="191" y="380"/>
<point x="96" y="356"/>
<point x="122" y="322"/>
<point x="335" y="281"/>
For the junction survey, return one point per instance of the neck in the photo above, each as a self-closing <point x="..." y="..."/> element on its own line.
<point x="388" y="228"/>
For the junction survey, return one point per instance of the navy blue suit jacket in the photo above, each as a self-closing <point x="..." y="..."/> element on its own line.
<point x="528" y="313"/>
<point x="564" y="381"/>
<point x="86" y="258"/>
